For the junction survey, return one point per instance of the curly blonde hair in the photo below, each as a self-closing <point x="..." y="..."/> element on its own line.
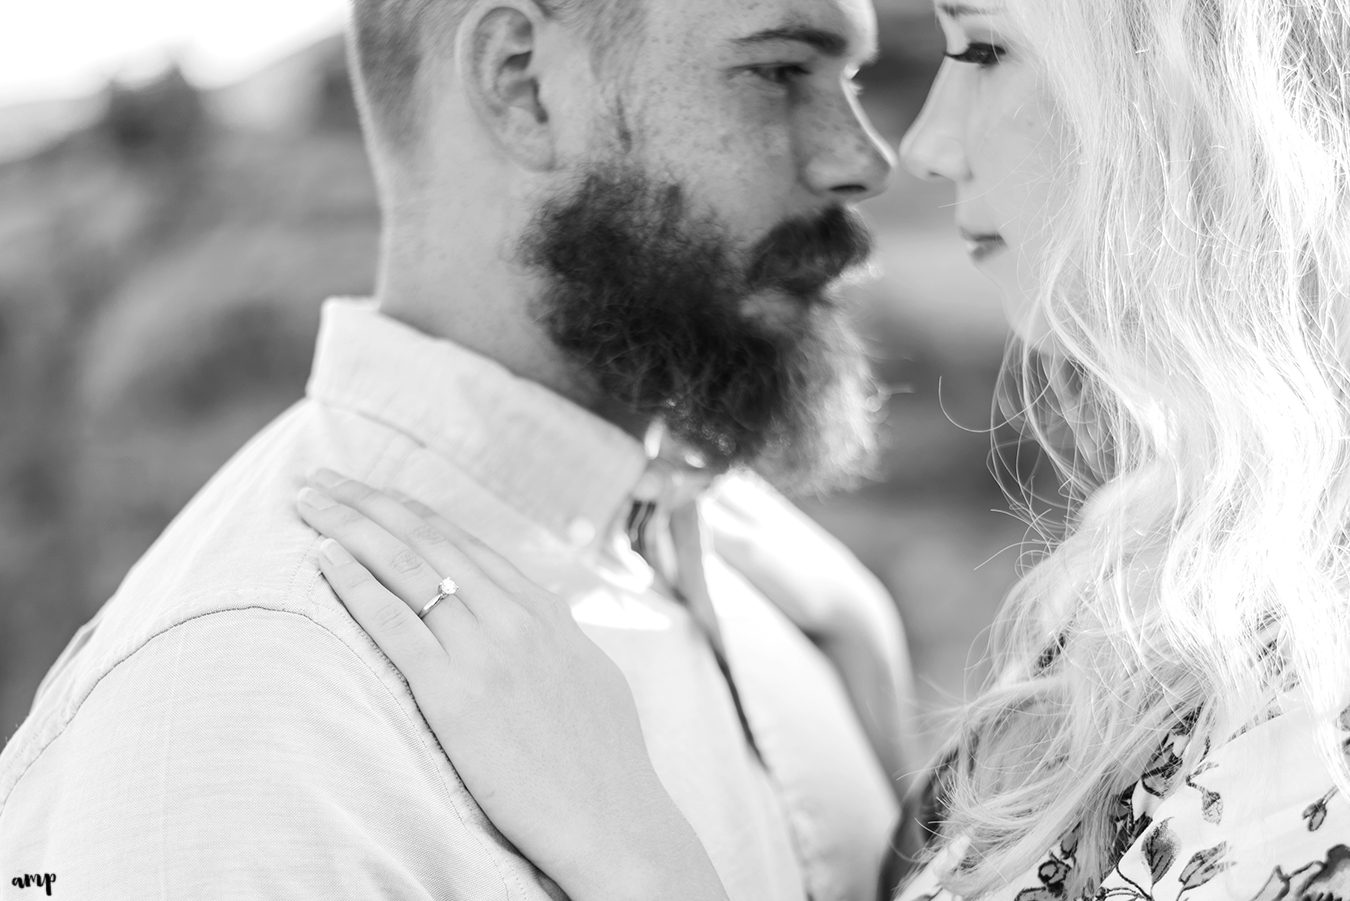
<point x="1197" y="300"/>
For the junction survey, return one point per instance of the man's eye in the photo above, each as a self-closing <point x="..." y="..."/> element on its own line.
<point x="982" y="55"/>
<point x="780" y="75"/>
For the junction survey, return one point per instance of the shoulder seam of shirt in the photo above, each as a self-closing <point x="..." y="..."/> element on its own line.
<point x="491" y="855"/>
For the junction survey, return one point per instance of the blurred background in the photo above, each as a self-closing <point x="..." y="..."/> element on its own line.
<point x="181" y="185"/>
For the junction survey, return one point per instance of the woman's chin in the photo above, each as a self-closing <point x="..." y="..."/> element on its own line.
<point x="1024" y="320"/>
<point x="1009" y="273"/>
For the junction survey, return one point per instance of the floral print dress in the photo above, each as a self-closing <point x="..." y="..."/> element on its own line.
<point x="1258" y="819"/>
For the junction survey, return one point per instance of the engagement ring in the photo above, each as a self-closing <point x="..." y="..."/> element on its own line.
<point x="446" y="589"/>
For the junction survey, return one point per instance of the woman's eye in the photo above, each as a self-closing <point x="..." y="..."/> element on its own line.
<point x="982" y="55"/>
<point x="780" y="75"/>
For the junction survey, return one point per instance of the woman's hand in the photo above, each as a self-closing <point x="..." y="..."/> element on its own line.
<point x="842" y="608"/>
<point x="838" y="604"/>
<point x="539" y="723"/>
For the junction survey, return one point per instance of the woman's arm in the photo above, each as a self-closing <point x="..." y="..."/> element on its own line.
<point x="539" y="723"/>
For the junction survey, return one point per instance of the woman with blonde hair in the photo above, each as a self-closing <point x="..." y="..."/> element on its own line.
<point x="1162" y="189"/>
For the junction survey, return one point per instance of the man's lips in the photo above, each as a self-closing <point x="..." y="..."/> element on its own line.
<point x="981" y="245"/>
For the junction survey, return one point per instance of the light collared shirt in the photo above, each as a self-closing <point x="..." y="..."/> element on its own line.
<point x="223" y="729"/>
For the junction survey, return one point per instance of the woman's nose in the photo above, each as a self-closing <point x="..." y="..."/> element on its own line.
<point x="933" y="146"/>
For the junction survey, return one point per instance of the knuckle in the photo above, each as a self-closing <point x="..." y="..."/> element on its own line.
<point x="427" y="534"/>
<point x="420" y="509"/>
<point x="552" y="607"/>
<point x="346" y="577"/>
<point x="405" y="561"/>
<point x="344" y="515"/>
<point x="391" y="616"/>
<point x="356" y="576"/>
<point x="356" y="490"/>
<point x="533" y="633"/>
<point x="514" y="621"/>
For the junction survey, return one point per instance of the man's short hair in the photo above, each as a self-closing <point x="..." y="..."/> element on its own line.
<point x="391" y="40"/>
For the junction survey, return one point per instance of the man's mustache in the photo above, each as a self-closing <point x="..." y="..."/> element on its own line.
<point x="802" y="256"/>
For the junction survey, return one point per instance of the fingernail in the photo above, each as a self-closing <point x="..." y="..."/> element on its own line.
<point x="326" y="478"/>
<point x="316" y="500"/>
<point x="334" y="553"/>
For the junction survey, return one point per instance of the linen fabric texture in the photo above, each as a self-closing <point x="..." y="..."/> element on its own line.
<point x="223" y="729"/>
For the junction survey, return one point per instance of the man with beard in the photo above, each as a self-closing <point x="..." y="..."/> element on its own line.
<point x="605" y="220"/>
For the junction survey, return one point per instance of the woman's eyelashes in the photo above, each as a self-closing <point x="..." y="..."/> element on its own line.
<point x="980" y="54"/>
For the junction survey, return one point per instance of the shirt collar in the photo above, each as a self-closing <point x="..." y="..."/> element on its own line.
<point x="552" y="461"/>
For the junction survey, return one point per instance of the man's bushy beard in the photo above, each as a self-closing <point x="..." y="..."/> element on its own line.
<point x="651" y="302"/>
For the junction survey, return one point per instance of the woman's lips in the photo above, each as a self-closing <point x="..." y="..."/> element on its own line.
<point x="982" y="245"/>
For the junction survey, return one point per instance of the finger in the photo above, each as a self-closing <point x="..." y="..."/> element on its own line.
<point x="441" y="543"/>
<point x="507" y="574"/>
<point x="398" y="567"/>
<point x="396" y="519"/>
<point x="384" y="616"/>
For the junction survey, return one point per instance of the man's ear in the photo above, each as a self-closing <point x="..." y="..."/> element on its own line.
<point x="498" y="67"/>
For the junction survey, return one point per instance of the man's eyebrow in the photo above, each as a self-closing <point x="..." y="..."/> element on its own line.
<point x="829" y="43"/>
<point x="957" y="10"/>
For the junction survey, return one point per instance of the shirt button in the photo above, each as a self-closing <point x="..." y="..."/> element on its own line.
<point x="581" y="531"/>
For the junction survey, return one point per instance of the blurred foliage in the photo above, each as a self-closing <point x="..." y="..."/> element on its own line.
<point x="161" y="271"/>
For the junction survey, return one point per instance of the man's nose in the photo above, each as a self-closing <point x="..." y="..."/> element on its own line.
<point x="933" y="147"/>
<point x="852" y="162"/>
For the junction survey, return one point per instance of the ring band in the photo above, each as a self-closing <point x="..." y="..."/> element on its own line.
<point x="448" y="588"/>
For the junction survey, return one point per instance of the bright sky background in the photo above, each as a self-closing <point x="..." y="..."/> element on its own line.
<point x="63" y="48"/>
